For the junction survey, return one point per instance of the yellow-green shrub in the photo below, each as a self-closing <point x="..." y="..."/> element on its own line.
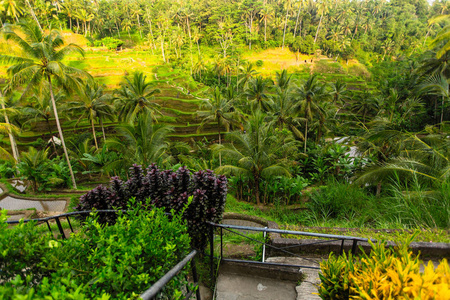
<point x="385" y="273"/>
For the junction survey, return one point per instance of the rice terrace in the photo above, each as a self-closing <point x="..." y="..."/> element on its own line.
<point x="242" y="149"/>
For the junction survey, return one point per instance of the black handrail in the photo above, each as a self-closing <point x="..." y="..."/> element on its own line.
<point x="222" y="227"/>
<point x="159" y="285"/>
<point x="66" y="215"/>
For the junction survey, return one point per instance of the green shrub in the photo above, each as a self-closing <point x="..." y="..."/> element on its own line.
<point x="385" y="273"/>
<point x="259" y="63"/>
<point x="7" y="169"/>
<point x="111" y="43"/>
<point x="99" y="262"/>
<point x="341" y="200"/>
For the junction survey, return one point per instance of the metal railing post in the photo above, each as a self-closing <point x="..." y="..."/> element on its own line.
<point x="221" y="243"/>
<point x="264" y="245"/>
<point x="354" y="247"/>
<point x="195" y="277"/>
<point x="211" y="251"/>
<point x="60" y="228"/>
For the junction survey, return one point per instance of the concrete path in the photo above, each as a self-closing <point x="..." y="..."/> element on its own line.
<point x="241" y="287"/>
<point x="307" y="290"/>
<point x="12" y="203"/>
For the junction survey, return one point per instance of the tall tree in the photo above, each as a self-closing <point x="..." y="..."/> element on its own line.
<point x="92" y="105"/>
<point x="254" y="152"/>
<point x="42" y="61"/>
<point x="218" y="109"/>
<point x="310" y="93"/>
<point x="142" y="142"/>
<point x="134" y="97"/>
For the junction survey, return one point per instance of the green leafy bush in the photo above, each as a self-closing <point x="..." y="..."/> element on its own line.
<point x="99" y="262"/>
<point x="385" y="273"/>
<point x="259" y="63"/>
<point x="6" y="169"/>
<point x="341" y="200"/>
<point x="110" y="43"/>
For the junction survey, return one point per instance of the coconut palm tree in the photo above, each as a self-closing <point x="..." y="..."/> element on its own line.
<point x="92" y="105"/>
<point x="257" y="92"/>
<point x="253" y="153"/>
<point x="283" y="80"/>
<point x="218" y="109"/>
<point x="40" y="106"/>
<point x="42" y="62"/>
<point x="12" y="8"/>
<point x="134" y="97"/>
<point x="285" y="112"/>
<point x="8" y="127"/>
<point x="141" y="142"/>
<point x="437" y="85"/>
<point x="426" y="156"/>
<point x="310" y="93"/>
<point x="442" y="38"/>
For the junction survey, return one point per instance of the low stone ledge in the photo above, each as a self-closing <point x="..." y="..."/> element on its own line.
<point x="237" y="216"/>
<point x="324" y="247"/>
<point x="279" y="272"/>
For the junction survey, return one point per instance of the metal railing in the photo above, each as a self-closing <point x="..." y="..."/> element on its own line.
<point x="232" y="228"/>
<point x="158" y="286"/>
<point x="66" y="215"/>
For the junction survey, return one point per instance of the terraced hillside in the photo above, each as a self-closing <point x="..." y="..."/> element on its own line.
<point x="180" y="95"/>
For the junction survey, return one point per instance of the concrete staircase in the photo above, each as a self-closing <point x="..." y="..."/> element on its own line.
<point x="243" y="281"/>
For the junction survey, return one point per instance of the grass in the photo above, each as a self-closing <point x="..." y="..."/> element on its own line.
<point x="302" y="220"/>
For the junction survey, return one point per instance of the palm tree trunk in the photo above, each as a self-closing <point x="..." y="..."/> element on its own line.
<point x="93" y="134"/>
<point x="296" y="20"/>
<point x="11" y="136"/>
<point x="220" y="143"/>
<point x="285" y="25"/>
<point x="442" y="110"/>
<point x="257" y="192"/>
<point x="55" y="111"/>
<point x="306" y="135"/>
<point x="33" y="14"/>
<point x="103" y="129"/>
<point x="51" y="134"/>
<point x="162" y="47"/>
<point x="318" y="27"/>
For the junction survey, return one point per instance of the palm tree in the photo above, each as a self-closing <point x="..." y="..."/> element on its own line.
<point x="283" y="80"/>
<point x="92" y="105"/>
<point x="424" y="156"/>
<point x="12" y="8"/>
<point x="257" y="92"/>
<point x="8" y="127"/>
<point x="42" y="61"/>
<point x="339" y="91"/>
<point x="39" y="106"/>
<point x="322" y="8"/>
<point x="142" y="142"/>
<point x="220" y="110"/>
<point x="310" y="93"/>
<point x="248" y="71"/>
<point x="133" y="98"/>
<point x="442" y="37"/>
<point x="284" y="111"/>
<point x="437" y="85"/>
<point x="253" y="153"/>
<point x="365" y="104"/>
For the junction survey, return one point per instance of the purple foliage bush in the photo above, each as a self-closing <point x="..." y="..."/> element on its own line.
<point x="167" y="189"/>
